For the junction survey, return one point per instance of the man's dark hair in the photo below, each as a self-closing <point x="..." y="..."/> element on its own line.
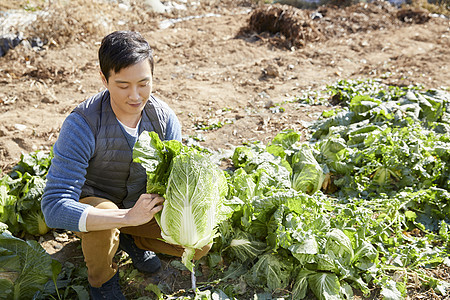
<point x="121" y="49"/>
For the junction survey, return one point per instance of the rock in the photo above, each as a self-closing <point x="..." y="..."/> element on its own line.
<point x="316" y="15"/>
<point x="272" y="71"/>
<point x="269" y="104"/>
<point x="20" y="127"/>
<point x="155" y="5"/>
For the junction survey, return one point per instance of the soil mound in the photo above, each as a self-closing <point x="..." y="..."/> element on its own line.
<point x="293" y="26"/>
<point x="288" y="26"/>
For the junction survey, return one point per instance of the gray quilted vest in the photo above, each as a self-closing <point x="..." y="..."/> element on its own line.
<point x="111" y="173"/>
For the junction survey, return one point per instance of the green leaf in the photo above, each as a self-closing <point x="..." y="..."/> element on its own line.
<point x="155" y="156"/>
<point x="33" y="265"/>
<point x="389" y="291"/>
<point x="301" y="284"/>
<point x="243" y="247"/>
<point x="155" y="289"/>
<point x="241" y="156"/>
<point x="346" y="291"/>
<point x="307" y="175"/>
<point x="363" y="103"/>
<point x="243" y="185"/>
<point x="285" y="139"/>
<point x="272" y="271"/>
<point x="410" y="215"/>
<point x="81" y="291"/>
<point x="234" y="271"/>
<point x="34" y="222"/>
<point x="325" y="263"/>
<point x="325" y="286"/>
<point x="214" y="259"/>
<point x="308" y="246"/>
<point x="339" y="244"/>
<point x="444" y="230"/>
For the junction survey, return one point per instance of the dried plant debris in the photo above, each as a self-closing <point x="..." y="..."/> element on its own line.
<point x="309" y="4"/>
<point x="291" y="26"/>
<point x="69" y="22"/>
<point x="58" y="23"/>
<point x="413" y="15"/>
<point x="287" y="26"/>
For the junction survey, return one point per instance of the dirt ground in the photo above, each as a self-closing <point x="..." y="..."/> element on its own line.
<point x="209" y="68"/>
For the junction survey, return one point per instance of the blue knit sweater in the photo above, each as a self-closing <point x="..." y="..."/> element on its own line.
<point x="72" y="152"/>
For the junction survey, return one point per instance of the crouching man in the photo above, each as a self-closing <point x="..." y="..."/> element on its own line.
<point x="93" y="186"/>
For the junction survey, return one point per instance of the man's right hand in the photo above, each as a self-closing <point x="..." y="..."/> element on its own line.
<point x="144" y="209"/>
<point x="142" y="212"/>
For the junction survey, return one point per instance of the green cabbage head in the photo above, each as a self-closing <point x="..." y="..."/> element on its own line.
<point x="195" y="194"/>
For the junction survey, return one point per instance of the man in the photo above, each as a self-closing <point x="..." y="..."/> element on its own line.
<point x="93" y="186"/>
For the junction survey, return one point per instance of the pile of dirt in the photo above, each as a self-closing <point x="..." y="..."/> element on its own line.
<point x="293" y="26"/>
<point x="287" y="26"/>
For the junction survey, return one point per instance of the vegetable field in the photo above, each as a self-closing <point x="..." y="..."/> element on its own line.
<point x="334" y="149"/>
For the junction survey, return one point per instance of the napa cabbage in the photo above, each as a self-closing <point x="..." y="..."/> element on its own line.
<point x="307" y="174"/>
<point x="21" y="193"/>
<point x="194" y="192"/>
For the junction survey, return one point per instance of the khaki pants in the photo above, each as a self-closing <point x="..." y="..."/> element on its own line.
<point x="99" y="247"/>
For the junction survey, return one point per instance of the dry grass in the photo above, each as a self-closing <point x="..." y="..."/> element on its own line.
<point x="77" y="20"/>
<point x="61" y="21"/>
<point x="440" y="6"/>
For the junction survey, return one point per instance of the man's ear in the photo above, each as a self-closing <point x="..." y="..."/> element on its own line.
<point x="105" y="82"/>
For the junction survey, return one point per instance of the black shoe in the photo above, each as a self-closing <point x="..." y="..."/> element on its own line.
<point x="110" y="290"/>
<point x="143" y="260"/>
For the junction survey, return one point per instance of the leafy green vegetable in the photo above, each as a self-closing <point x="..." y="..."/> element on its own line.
<point x="21" y="193"/>
<point x="245" y="247"/>
<point x="156" y="156"/>
<point x="242" y="155"/>
<point x="271" y="270"/>
<point x="307" y="175"/>
<point x="34" y="223"/>
<point x="24" y="267"/>
<point x="194" y="190"/>
<point x="194" y="198"/>
<point x="385" y="153"/>
<point x="325" y="286"/>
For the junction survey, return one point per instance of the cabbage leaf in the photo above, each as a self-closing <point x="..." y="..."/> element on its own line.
<point x="24" y="267"/>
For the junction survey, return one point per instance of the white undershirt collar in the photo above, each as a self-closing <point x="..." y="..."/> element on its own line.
<point x="131" y="131"/>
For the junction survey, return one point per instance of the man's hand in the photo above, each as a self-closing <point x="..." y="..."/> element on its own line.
<point x="144" y="209"/>
<point x="142" y="212"/>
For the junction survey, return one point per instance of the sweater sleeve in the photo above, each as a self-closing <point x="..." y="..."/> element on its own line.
<point x="71" y="154"/>
<point x="173" y="127"/>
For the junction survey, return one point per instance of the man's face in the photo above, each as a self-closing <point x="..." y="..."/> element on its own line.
<point x="130" y="89"/>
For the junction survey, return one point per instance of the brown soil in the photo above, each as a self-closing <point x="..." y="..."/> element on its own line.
<point x="214" y="69"/>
